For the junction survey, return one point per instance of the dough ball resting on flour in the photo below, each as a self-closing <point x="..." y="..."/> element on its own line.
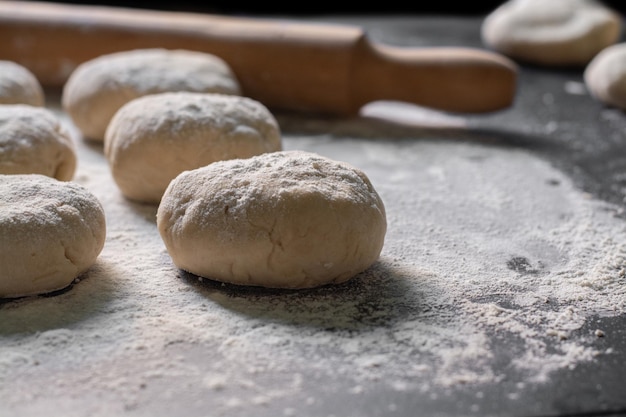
<point x="152" y="139"/>
<point x="96" y="89"/>
<point x="605" y="76"/>
<point x="288" y="219"/>
<point x="33" y="141"/>
<point x="19" y="86"/>
<point x="50" y="233"/>
<point x="552" y="32"/>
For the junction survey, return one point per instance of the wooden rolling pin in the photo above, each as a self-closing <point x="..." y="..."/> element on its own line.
<point x="291" y="65"/>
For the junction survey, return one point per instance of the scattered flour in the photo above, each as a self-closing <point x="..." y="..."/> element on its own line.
<point x="485" y="244"/>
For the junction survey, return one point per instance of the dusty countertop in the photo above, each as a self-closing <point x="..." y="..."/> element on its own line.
<point x="501" y="287"/>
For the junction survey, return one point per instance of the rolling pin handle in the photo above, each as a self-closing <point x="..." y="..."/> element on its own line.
<point x="452" y="79"/>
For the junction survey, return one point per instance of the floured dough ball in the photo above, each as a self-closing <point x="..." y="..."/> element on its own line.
<point x="288" y="219"/>
<point x="33" y="141"/>
<point x="96" y="89"/>
<point x="19" y="86"/>
<point x="51" y="232"/>
<point x="152" y="139"/>
<point x="551" y="32"/>
<point x="605" y="76"/>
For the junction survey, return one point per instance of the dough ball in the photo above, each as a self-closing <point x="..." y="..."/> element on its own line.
<point x="19" y="86"/>
<point x="50" y="233"/>
<point x="605" y="76"/>
<point x="551" y="32"/>
<point x="33" y="141"/>
<point x="288" y="219"/>
<point x="96" y="89"/>
<point x="152" y="139"/>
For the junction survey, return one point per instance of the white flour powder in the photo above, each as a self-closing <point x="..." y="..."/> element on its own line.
<point x="484" y="244"/>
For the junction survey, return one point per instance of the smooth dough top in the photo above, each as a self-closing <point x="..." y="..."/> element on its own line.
<point x="289" y="219"/>
<point x="605" y="76"/>
<point x="50" y="232"/>
<point x="152" y="139"/>
<point x="33" y="141"/>
<point x="96" y="89"/>
<point x="18" y="85"/>
<point x="552" y="32"/>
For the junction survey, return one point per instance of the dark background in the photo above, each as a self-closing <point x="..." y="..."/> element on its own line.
<point x="322" y="7"/>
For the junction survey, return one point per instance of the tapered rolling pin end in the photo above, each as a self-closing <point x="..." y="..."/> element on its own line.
<point x="451" y="79"/>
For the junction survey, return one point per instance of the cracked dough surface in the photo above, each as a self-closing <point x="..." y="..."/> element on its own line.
<point x="551" y="32"/>
<point x="18" y="85"/>
<point x="33" y="141"/>
<point x="97" y="88"/>
<point x="50" y="233"/>
<point x="289" y="219"/>
<point x="152" y="139"/>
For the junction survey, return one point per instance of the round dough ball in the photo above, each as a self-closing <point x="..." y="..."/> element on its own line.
<point x="96" y="89"/>
<point x="551" y="32"/>
<point x="605" y="76"/>
<point x="50" y="233"/>
<point x="19" y="86"/>
<point x="152" y="139"/>
<point x="33" y="141"/>
<point x="289" y="219"/>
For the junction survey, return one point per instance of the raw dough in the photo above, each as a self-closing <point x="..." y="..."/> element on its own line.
<point x="605" y="76"/>
<point x="152" y="139"/>
<point x="289" y="219"/>
<point x="33" y="141"/>
<point x="50" y="233"/>
<point x="551" y="32"/>
<point x="96" y="89"/>
<point x="19" y="86"/>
